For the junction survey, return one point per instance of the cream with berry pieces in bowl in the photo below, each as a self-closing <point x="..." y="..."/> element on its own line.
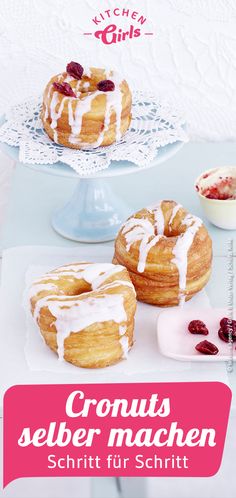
<point x="86" y="108"/>
<point x="216" y="189"/>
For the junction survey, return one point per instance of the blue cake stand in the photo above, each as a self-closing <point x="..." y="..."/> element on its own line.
<point x="95" y="212"/>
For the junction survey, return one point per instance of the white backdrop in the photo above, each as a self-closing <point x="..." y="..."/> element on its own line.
<point x="191" y="58"/>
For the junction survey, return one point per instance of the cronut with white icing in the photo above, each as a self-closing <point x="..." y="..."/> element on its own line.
<point x="85" y="312"/>
<point x="86" y="107"/>
<point x="167" y="252"/>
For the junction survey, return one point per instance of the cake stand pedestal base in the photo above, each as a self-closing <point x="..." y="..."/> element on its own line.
<point x="93" y="214"/>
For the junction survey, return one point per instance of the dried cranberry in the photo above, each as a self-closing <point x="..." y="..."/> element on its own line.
<point x="224" y="322"/>
<point x="106" y="86"/>
<point x="75" y="70"/>
<point x="223" y="336"/>
<point x="227" y="331"/>
<point x="198" y="327"/>
<point x="64" y="88"/>
<point x="228" y="324"/>
<point x="206" y="347"/>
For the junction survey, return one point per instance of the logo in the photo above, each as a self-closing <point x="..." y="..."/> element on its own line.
<point x="118" y="25"/>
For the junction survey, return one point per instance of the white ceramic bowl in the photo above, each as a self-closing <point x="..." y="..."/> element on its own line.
<point x="221" y="213"/>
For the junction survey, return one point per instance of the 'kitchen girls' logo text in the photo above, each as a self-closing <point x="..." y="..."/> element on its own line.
<point x="114" y="31"/>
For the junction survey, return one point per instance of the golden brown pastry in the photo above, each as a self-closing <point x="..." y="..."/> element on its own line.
<point x="167" y="251"/>
<point x="85" y="312"/>
<point x="86" y="108"/>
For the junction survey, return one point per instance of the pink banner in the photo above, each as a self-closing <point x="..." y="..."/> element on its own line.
<point x="149" y="429"/>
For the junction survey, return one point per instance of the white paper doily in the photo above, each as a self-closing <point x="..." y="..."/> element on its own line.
<point x="154" y="124"/>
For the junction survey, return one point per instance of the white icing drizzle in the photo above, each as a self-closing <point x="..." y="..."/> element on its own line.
<point x="140" y="229"/>
<point x="74" y="313"/>
<point x="94" y="274"/>
<point x="135" y="228"/>
<point x="68" y="78"/>
<point x="83" y="106"/>
<point x="124" y="342"/>
<point x="75" y="119"/>
<point x="57" y="276"/>
<point x="174" y="213"/>
<point x="144" y="249"/>
<point x="53" y="114"/>
<point x="180" y="251"/>
<point x="78" y="87"/>
<point x="87" y="71"/>
<point x="159" y="219"/>
<point x="86" y="84"/>
<point x="46" y="103"/>
<point x="56" y="115"/>
<point x="97" y="281"/>
<point x="105" y="124"/>
<point x="117" y="104"/>
<point x="122" y="330"/>
<point x="117" y="283"/>
<point x="36" y="288"/>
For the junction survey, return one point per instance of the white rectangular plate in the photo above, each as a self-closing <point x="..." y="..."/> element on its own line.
<point x="175" y="341"/>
